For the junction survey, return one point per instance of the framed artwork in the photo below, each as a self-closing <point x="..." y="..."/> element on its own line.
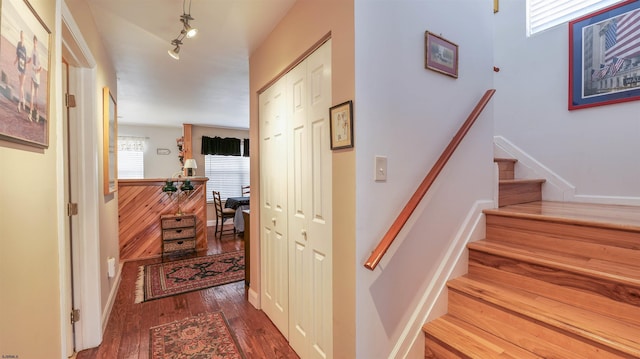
<point x="25" y="61"/>
<point x="110" y="149"/>
<point x="341" y="125"/>
<point x="440" y="55"/>
<point x="604" y="56"/>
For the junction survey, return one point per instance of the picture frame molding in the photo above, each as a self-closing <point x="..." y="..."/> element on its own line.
<point x="340" y="127"/>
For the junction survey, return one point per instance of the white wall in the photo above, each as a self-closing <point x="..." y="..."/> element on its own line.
<point x="594" y="149"/>
<point x="409" y="114"/>
<point x="156" y="165"/>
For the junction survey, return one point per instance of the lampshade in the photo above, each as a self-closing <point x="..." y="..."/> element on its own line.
<point x="186" y="186"/>
<point x="190" y="165"/>
<point x="175" y="53"/>
<point x="169" y="187"/>
<point x="191" y="31"/>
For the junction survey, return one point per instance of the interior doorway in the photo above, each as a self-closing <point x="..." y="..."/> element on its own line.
<point x="81" y="290"/>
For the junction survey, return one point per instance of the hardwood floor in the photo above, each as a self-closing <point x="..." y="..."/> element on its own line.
<point x="127" y="333"/>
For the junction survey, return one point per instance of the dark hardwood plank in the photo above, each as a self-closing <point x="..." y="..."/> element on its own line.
<point x="127" y="333"/>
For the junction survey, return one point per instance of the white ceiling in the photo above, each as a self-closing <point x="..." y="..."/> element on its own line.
<point x="209" y="85"/>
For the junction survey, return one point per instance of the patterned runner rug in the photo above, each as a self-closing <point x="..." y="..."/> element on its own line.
<point x="169" y="278"/>
<point x="204" y="336"/>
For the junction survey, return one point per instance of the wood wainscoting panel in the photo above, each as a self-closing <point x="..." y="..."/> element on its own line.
<point x="141" y="203"/>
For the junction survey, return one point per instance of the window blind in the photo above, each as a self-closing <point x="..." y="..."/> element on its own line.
<point x="130" y="157"/>
<point x="227" y="174"/>
<point x="545" y="14"/>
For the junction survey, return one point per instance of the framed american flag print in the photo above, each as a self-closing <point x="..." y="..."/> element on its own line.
<point x="604" y="56"/>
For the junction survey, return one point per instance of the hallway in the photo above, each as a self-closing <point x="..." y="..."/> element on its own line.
<point x="127" y="333"/>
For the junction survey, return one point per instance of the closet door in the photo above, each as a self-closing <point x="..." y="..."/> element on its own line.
<point x="309" y="203"/>
<point x="273" y="210"/>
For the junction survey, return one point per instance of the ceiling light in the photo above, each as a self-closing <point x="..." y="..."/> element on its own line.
<point x="175" y="53"/>
<point x="187" y="30"/>
<point x="191" y="31"/>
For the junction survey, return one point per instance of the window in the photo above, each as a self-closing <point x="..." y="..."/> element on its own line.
<point x="130" y="157"/>
<point x="545" y="14"/>
<point x="227" y="174"/>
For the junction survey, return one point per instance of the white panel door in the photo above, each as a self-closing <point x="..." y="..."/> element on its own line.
<point x="273" y="210"/>
<point x="298" y="158"/>
<point x="295" y="217"/>
<point x="310" y="233"/>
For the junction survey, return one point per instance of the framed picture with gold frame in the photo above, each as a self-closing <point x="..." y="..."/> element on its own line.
<point x="341" y="125"/>
<point x="110" y="145"/>
<point x="25" y="64"/>
<point x="441" y="55"/>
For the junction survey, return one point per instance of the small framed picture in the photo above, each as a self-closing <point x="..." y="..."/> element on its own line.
<point x="341" y="125"/>
<point x="440" y="55"/>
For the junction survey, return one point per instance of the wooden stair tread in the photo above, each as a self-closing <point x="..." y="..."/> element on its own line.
<point x="579" y="294"/>
<point x="472" y="341"/>
<point x="521" y="181"/>
<point x="585" y="214"/>
<point x="504" y="159"/>
<point x="600" y="329"/>
<point x="612" y="271"/>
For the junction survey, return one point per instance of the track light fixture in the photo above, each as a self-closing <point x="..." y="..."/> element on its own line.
<point x="185" y="18"/>
<point x="187" y="30"/>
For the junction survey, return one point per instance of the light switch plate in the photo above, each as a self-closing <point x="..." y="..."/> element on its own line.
<point x="380" y="168"/>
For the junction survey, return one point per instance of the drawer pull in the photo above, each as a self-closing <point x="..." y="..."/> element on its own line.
<point x="179" y="230"/>
<point x="178" y="219"/>
<point x="180" y="242"/>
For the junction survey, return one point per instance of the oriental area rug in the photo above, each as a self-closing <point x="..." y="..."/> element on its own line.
<point x="170" y="278"/>
<point x="204" y="336"/>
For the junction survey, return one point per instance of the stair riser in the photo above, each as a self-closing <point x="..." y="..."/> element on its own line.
<point x="435" y="349"/>
<point x="506" y="170"/>
<point x="513" y="193"/>
<point x="600" y="243"/>
<point x="616" y="291"/>
<point x="507" y="325"/>
<point x="577" y="297"/>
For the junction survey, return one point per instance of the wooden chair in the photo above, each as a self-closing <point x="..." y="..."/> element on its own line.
<point x="222" y="214"/>
<point x="246" y="191"/>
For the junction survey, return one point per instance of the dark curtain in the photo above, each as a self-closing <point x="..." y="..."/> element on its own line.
<point x="246" y="147"/>
<point x="220" y="146"/>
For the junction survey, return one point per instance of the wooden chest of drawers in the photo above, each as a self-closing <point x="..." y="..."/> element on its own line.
<point x="178" y="234"/>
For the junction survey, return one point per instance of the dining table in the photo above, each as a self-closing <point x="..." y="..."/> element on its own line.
<point x="239" y="204"/>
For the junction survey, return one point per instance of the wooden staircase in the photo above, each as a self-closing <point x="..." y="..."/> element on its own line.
<point x="550" y="280"/>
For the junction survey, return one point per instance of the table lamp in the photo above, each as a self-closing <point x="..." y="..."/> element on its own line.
<point x="190" y="165"/>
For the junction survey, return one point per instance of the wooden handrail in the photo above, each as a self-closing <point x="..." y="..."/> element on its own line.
<point x="408" y="209"/>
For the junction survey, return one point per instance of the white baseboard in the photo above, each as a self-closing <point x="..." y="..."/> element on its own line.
<point x="254" y="298"/>
<point x="628" y="201"/>
<point x="211" y="222"/>
<point x="112" y="298"/>
<point x="556" y="188"/>
<point x="473" y="228"/>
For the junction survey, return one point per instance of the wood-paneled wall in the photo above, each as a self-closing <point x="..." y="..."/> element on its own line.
<point x="141" y="203"/>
